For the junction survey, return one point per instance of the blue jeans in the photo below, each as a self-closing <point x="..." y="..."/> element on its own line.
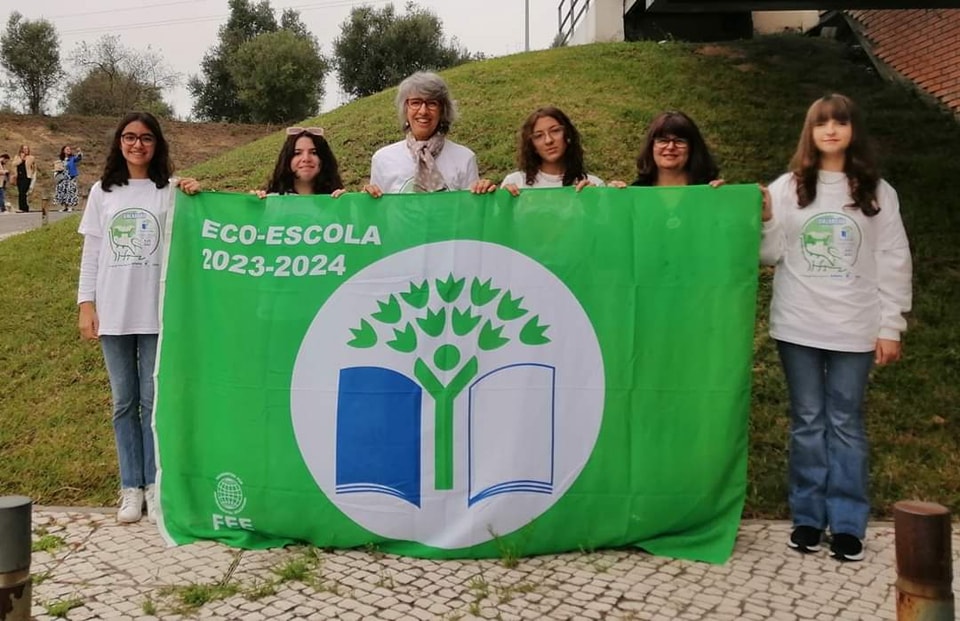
<point x="828" y="472"/>
<point x="130" y="360"/>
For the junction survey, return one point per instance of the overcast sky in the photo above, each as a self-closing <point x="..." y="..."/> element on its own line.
<point x="183" y="30"/>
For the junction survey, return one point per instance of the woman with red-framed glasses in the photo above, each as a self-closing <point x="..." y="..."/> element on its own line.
<point x="425" y="160"/>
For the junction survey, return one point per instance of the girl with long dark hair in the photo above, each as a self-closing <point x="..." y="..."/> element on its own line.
<point x="119" y="290"/>
<point x="832" y="228"/>
<point x="549" y="154"/>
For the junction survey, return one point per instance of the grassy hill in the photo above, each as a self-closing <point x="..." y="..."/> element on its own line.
<point x="749" y="98"/>
<point x="191" y="143"/>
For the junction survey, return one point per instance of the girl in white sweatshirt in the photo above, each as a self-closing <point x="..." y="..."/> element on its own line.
<point x="549" y="154"/>
<point x="832" y="228"/>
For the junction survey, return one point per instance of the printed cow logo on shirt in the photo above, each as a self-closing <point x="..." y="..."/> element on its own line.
<point x="452" y="383"/>
<point x="830" y="243"/>
<point x="134" y="236"/>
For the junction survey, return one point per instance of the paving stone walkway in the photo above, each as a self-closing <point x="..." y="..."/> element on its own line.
<point x="98" y="569"/>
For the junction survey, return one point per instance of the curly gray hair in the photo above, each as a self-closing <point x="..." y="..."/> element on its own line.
<point x="430" y="86"/>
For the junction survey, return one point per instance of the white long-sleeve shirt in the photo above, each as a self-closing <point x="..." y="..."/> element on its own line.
<point x="843" y="279"/>
<point x="393" y="167"/>
<point x="542" y="180"/>
<point x="120" y="265"/>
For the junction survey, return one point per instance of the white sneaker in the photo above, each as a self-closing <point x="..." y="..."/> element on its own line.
<point x="131" y="505"/>
<point x="153" y="509"/>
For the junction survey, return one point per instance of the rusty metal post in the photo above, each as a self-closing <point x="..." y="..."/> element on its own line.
<point x="924" y="561"/>
<point x="15" y="543"/>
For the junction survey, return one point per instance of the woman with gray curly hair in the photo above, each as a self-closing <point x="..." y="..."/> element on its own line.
<point x="425" y="161"/>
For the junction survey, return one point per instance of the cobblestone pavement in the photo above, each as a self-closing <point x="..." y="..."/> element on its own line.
<point x="97" y="569"/>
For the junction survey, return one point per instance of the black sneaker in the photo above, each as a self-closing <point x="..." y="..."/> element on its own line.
<point x="805" y="539"/>
<point x="846" y="547"/>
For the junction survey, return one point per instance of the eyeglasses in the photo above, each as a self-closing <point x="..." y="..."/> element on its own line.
<point x="555" y="132"/>
<point x="416" y="103"/>
<point x="664" y="141"/>
<point x="313" y="131"/>
<point x="131" y="139"/>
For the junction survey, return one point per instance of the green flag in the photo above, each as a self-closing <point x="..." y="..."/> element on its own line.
<point x="449" y="375"/>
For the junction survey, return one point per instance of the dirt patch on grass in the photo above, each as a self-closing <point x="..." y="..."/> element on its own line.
<point x="723" y="51"/>
<point x="190" y="143"/>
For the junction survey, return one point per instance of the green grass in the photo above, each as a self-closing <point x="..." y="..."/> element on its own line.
<point x="61" y="608"/>
<point x="749" y="99"/>
<point x="47" y="543"/>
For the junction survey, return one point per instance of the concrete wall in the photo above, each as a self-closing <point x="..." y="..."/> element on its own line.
<point x="603" y="21"/>
<point x="770" y="22"/>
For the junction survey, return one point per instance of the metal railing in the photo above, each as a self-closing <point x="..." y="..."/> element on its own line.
<point x="569" y="13"/>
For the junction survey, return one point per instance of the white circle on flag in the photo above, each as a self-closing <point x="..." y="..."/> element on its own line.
<point x="523" y="425"/>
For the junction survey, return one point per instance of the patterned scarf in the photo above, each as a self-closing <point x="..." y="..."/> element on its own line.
<point x="424" y="152"/>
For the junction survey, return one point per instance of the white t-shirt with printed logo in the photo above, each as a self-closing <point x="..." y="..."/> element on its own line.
<point x="542" y="180"/>
<point x="393" y="167"/>
<point x="843" y="279"/>
<point x="123" y="277"/>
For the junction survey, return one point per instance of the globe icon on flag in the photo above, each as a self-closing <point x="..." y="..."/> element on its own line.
<point x="229" y="494"/>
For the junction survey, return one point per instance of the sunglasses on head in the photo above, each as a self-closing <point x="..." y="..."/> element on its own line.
<point x="313" y="131"/>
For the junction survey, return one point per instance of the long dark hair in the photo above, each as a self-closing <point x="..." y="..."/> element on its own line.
<point x="701" y="168"/>
<point x="63" y="153"/>
<point x="529" y="161"/>
<point x="159" y="170"/>
<point x="328" y="180"/>
<point x="859" y="163"/>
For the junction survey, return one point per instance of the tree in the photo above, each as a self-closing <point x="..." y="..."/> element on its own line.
<point x="217" y="94"/>
<point x="378" y="48"/>
<point x="278" y="77"/>
<point x="115" y="80"/>
<point x="30" y="52"/>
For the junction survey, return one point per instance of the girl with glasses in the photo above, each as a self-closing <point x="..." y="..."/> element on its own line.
<point x="119" y="290"/>
<point x="425" y="160"/>
<point x="549" y="154"/>
<point x="305" y="165"/>
<point x="674" y="153"/>
<point x="832" y="228"/>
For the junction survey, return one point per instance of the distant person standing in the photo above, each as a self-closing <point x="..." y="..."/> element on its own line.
<point x="25" y="174"/>
<point x="67" y="194"/>
<point x="4" y="177"/>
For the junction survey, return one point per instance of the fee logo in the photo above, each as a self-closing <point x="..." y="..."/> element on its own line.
<point x="470" y="384"/>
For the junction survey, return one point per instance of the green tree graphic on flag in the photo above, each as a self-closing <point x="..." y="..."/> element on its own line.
<point x="485" y="312"/>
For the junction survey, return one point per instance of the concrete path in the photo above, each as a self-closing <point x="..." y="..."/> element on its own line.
<point x="98" y="569"/>
<point x="13" y="223"/>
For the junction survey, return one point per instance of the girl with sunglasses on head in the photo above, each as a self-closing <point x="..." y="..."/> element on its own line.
<point x="305" y="165"/>
<point x="832" y="228"/>
<point x="549" y="154"/>
<point x="674" y="153"/>
<point x="119" y="290"/>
